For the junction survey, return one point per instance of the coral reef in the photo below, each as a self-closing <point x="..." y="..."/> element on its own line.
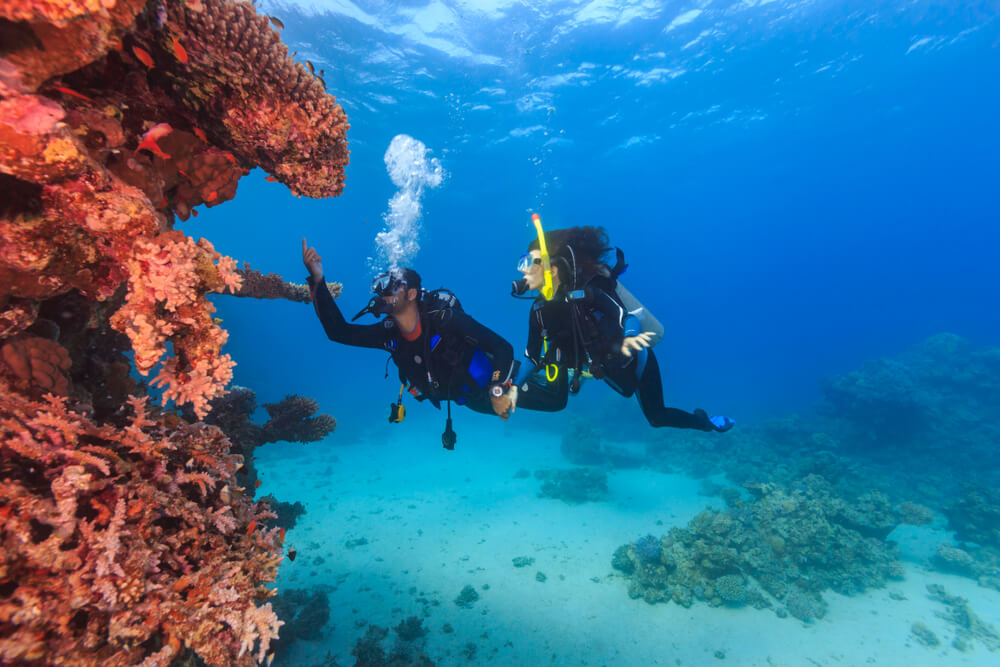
<point x="467" y="597"/>
<point x="126" y="534"/>
<point x="576" y="485"/>
<point x="116" y="117"/>
<point x="256" y="285"/>
<point x="305" y="613"/>
<point x="368" y="651"/>
<point x="126" y="544"/>
<point x="291" y="420"/>
<point x="793" y="542"/>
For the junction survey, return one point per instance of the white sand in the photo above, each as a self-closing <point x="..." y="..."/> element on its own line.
<point x="436" y="521"/>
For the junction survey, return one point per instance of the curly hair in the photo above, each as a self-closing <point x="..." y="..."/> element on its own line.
<point x="589" y="247"/>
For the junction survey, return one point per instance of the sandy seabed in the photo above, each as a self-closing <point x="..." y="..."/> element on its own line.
<point x="436" y="521"/>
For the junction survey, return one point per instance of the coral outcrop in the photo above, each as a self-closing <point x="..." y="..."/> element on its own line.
<point x="787" y="546"/>
<point x="126" y="536"/>
<point x="117" y="117"/>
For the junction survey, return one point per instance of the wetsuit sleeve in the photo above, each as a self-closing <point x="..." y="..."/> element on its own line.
<point x="633" y="327"/>
<point x="337" y="328"/>
<point x="487" y="340"/>
<point x="532" y="352"/>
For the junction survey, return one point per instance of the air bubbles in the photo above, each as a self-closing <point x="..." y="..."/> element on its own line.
<point x="411" y="171"/>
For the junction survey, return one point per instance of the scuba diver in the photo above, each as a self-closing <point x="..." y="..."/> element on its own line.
<point x="441" y="352"/>
<point x="579" y="321"/>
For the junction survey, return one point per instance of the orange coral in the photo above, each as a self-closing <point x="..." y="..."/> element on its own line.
<point x="117" y="544"/>
<point x="168" y="278"/>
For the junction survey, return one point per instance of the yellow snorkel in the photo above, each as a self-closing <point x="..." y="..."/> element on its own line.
<point x="547" y="290"/>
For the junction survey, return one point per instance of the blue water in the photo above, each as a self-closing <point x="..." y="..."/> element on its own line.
<point x="817" y="188"/>
<point x="799" y="187"/>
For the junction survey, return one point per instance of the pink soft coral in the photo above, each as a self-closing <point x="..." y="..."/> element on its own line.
<point x="168" y="278"/>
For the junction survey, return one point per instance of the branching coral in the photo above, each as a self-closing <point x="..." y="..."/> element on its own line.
<point x="168" y="278"/>
<point x="257" y="285"/>
<point x="126" y="544"/>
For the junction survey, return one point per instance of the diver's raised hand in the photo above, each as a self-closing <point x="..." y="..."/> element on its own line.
<point x="313" y="261"/>
<point x="636" y="343"/>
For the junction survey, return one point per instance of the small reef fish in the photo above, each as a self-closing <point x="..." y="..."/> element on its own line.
<point x="292" y="553"/>
<point x="148" y="142"/>
<point x="322" y="82"/>
<point x="212" y="196"/>
<point x="200" y="134"/>
<point x="256" y="484"/>
<point x="67" y="91"/>
<point x="194" y="212"/>
<point x="270" y="179"/>
<point x="251" y="526"/>
<point x="312" y="70"/>
<point x="179" y="51"/>
<point x="229" y="156"/>
<point x="276" y="22"/>
<point x="143" y="56"/>
<point x="281" y="535"/>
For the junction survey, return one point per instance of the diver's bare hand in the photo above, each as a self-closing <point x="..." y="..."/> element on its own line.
<point x="313" y="261"/>
<point x="501" y="406"/>
<point x="636" y="343"/>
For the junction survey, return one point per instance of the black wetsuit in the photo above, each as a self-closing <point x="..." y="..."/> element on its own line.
<point x="584" y="330"/>
<point x="454" y="358"/>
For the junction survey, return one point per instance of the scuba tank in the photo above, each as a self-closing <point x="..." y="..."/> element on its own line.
<point x="647" y="320"/>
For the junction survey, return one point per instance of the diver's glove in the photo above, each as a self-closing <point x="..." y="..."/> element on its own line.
<point x="718" y="423"/>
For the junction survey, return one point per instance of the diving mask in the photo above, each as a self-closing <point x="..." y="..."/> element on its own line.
<point x="383" y="287"/>
<point x="387" y="283"/>
<point x="526" y="261"/>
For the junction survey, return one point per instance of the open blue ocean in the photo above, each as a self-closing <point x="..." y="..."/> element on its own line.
<point x="806" y="193"/>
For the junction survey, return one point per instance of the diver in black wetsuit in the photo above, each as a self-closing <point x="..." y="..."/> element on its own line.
<point x="585" y="327"/>
<point x="441" y="352"/>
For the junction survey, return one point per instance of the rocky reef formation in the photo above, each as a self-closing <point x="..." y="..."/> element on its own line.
<point x="782" y="547"/>
<point x="127" y="537"/>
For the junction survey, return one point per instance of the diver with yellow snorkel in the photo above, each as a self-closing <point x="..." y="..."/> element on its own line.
<point x="580" y="322"/>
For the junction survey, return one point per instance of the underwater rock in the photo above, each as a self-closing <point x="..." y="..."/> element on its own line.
<point x="523" y="561"/>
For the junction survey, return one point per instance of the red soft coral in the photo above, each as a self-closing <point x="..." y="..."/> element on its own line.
<point x="123" y="545"/>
